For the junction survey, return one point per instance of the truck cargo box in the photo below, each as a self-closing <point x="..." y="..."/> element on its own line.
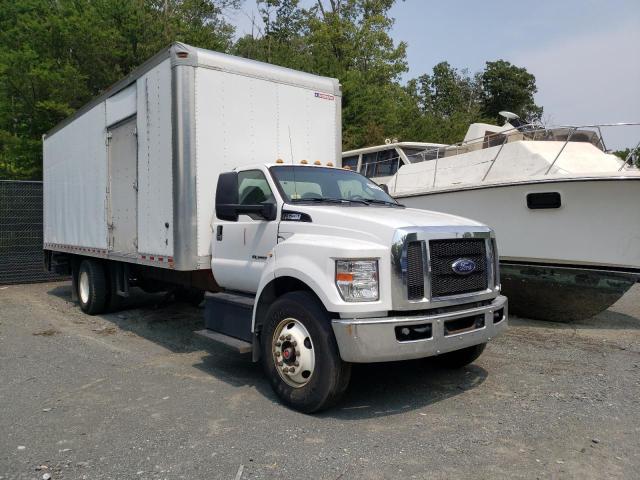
<point x="131" y="176"/>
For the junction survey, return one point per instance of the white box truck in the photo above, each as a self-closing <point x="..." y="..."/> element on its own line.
<point x="206" y="172"/>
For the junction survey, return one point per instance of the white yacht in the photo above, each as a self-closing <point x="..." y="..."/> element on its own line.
<point x="565" y="211"/>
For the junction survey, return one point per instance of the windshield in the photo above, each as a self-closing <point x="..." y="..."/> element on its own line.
<point x="318" y="184"/>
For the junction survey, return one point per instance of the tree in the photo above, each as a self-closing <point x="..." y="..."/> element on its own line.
<point x="507" y="87"/>
<point x="345" y="39"/>
<point x="630" y="155"/>
<point x="56" y="55"/>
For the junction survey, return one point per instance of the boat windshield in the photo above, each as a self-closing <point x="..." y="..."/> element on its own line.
<point x="565" y="134"/>
<point x="328" y="185"/>
<point x="416" y="155"/>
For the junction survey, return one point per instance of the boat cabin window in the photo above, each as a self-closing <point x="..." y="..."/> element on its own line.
<point x="380" y="164"/>
<point x="351" y="162"/>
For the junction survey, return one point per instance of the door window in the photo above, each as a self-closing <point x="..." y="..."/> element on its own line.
<point x="253" y="188"/>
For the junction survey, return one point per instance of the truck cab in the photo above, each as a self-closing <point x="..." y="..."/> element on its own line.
<point x="337" y="272"/>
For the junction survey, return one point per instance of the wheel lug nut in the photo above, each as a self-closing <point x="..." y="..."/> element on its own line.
<point x="279" y="364"/>
<point x="278" y="354"/>
<point x="297" y="353"/>
<point x="294" y="343"/>
<point x="288" y="337"/>
<point x="297" y="364"/>
<point x="278" y="344"/>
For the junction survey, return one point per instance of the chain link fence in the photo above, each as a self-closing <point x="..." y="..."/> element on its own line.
<point x="21" y="233"/>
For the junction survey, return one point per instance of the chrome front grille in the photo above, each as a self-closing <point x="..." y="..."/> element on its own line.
<point x="415" y="270"/>
<point x="422" y="274"/>
<point x="442" y="255"/>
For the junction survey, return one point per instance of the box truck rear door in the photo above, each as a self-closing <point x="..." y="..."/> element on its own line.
<point x="123" y="179"/>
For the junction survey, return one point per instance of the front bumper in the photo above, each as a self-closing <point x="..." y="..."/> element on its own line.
<point x="375" y="339"/>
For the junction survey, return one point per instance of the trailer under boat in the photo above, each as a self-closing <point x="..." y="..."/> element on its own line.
<point x="561" y="294"/>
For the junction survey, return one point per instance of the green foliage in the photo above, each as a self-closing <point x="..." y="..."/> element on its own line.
<point x="507" y="87"/>
<point x="55" y="55"/>
<point x="346" y="39"/>
<point x="632" y="156"/>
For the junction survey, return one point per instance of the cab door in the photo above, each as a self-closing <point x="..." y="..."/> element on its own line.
<point x="241" y="249"/>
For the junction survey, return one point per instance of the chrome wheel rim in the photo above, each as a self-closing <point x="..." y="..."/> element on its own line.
<point x="293" y="353"/>
<point x="84" y="287"/>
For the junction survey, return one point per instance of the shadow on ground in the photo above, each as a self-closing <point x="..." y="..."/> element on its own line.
<point x="607" y="320"/>
<point x="376" y="389"/>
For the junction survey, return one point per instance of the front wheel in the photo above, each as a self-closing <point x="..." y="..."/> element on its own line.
<point x="300" y="354"/>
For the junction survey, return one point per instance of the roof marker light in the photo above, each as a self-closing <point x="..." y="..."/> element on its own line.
<point x="279" y="160"/>
<point x="317" y="162"/>
<point x="329" y="164"/>
<point x="303" y="162"/>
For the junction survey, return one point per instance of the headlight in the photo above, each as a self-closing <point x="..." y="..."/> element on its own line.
<point x="357" y="280"/>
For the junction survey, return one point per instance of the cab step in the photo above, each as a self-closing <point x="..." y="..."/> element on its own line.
<point x="239" y="345"/>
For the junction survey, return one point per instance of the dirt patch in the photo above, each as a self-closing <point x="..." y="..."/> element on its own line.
<point x="50" y="332"/>
<point x="108" y="330"/>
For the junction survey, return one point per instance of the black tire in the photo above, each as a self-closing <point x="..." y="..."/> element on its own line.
<point x="192" y="296"/>
<point x="460" y="358"/>
<point x="330" y="377"/>
<point x="93" y="300"/>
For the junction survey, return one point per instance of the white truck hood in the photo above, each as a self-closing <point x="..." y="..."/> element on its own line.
<point x="373" y="223"/>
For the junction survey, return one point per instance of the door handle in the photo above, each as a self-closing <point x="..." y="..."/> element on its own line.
<point x="219" y="233"/>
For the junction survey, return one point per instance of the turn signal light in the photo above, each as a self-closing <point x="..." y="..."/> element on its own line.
<point x="344" y="277"/>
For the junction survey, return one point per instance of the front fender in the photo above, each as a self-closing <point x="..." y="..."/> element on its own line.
<point x="311" y="260"/>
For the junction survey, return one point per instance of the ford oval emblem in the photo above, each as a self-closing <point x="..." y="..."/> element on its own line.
<point x="463" y="266"/>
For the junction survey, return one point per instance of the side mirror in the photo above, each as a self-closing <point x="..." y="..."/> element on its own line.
<point x="267" y="211"/>
<point x="227" y="196"/>
<point x="227" y="202"/>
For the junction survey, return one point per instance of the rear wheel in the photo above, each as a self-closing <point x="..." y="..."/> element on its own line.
<point x="460" y="358"/>
<point x="92" y="287"/>
<point x="300" y="354"/>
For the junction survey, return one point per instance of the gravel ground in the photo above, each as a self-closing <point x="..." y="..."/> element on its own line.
<point x="135" y="394"/>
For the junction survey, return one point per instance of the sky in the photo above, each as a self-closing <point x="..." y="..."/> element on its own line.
<point x="585" y="54"/>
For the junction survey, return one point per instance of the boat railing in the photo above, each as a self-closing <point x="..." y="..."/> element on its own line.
<point x="631" y="158"/>
<point x="527" y="132"/>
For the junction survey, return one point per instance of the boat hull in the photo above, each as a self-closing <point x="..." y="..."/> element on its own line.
<point x="594" y="232"/>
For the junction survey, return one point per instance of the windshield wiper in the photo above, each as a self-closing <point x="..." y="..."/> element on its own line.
<point x="328" y="200"/>
<point x="383" y="202"/>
